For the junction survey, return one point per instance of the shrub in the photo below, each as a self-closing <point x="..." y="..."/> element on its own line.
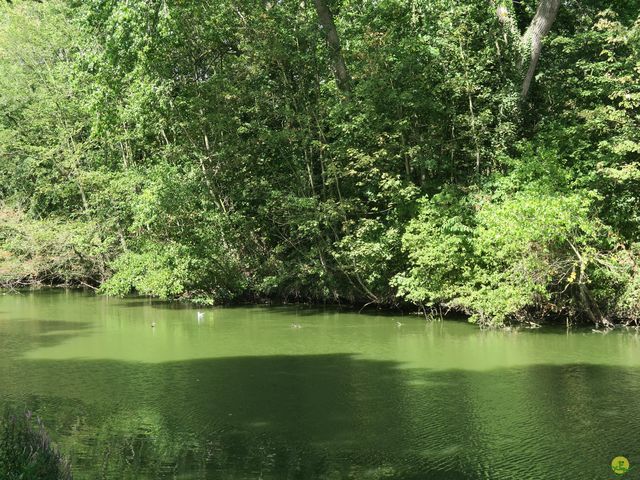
<point x="47" y="251"/>
<point x="26" y="451"/>
<point x="506" y="254"/>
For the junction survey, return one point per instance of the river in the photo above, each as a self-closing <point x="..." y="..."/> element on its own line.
<point x="241" y="394"/>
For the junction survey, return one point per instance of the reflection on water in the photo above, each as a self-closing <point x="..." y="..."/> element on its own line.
<point x="242" y="395"/>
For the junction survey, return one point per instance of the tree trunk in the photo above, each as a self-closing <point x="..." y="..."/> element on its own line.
<point x="532" y="38"/>
<point x="325" y="18"/>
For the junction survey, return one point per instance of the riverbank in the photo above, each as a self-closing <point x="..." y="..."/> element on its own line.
<point x="405" y="309"/>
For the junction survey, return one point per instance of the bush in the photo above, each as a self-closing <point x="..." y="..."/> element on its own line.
<point x="506" y="254"/>
<point x="439" y="247"/>
<point x="47" y="251"/>
<point x="26" y="451"/>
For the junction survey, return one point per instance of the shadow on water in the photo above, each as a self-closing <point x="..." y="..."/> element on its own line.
<point x="330" y="417"/>
<point x="29" y="333"/>
<point x="137" y="302"/>
<point x="293" y="308"/>
<point x="289" y="309"/>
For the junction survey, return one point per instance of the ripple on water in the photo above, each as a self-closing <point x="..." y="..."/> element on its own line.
<point x="242" y="395"/>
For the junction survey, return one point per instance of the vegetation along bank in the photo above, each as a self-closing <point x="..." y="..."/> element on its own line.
<point x="474" y="155"/>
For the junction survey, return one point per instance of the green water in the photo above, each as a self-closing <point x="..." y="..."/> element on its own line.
<point x="243" y="395"/>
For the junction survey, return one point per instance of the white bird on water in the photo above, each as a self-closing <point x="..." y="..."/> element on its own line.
<point x="398" y="324"/>
<point x="153" y="324"/>
<point x="200" y="315"/>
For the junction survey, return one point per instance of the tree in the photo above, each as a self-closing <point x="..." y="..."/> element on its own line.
<point x="197" y="151"/>
<point x="325" y="18"/>
<point x="532" y="39"/>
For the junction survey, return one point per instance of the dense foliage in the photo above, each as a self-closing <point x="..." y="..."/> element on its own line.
<point x="218" y="153"/>
<point x="26" y="451"/>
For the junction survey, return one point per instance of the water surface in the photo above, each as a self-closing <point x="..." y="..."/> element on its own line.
<point x="240" y="394"/>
